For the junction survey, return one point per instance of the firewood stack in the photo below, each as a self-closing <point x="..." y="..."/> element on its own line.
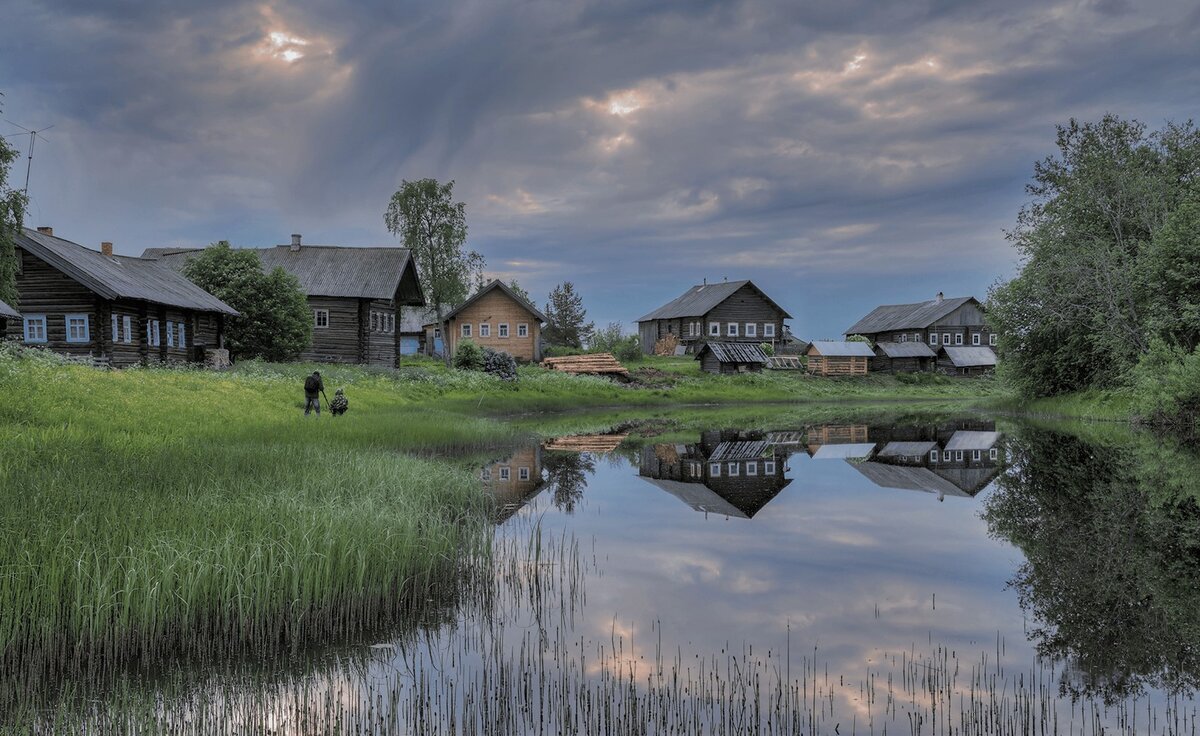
<point x="596" y="364"/>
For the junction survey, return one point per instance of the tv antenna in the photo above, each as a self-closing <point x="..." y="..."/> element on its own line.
<point x="33" y="136"/>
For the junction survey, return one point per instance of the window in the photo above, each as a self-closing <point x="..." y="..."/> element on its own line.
<point x="181" y="340"/>
<point x="992" y="339"/>
<point x="374" y="321"/>
<point x="916" y="337"/>
<point x="153" y="335"/>
<point x="933" y="338"/>
<point x="752" y="467"/>
<point x="170" y="334"/>
<point x="768" y="467"/>
<point x="731" y="469"/>
<point x="522" y="330"/>
<point x="958" y="338"/>
<point x="127" y="329"/>
<point x="486" y="474"/>
<point x="976" y="339"/>
<point x="437" y="332"/>
<point x="731" y="330"/>
<point x="993" y="453"/>
<point x="320" y="318"/>
<point x="751" y="329"/>
<point x="977" y="455"/>
<point x="485" y="330"/>
<point x="769" y="329"/>
<point x="505" y="473"/>
<point x="946" y="456"/>
<point x="945" y="338"/>
<point x="933" y="456"/>
<point x="958" y="456"/>
<point x="116" y="334"/>
<point x="902" y="337"/>
<point x="35" y="328"/>
<point x="522" y="473"/>
<point x="714" y="470"/>
<point x="77" y="328"/>
<point x="714" y="329"/>
<point x="502" y="329"/>
<point x="466" y="329"/>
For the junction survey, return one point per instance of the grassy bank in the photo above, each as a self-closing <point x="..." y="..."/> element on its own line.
<point x="1094" y="405"/>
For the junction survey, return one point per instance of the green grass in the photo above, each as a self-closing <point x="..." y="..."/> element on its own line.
<point x="1092" y="405"/>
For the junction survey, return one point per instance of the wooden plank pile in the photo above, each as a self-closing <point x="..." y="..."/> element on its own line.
<point x="595" y="364"/>
<point x="597" y="443"/>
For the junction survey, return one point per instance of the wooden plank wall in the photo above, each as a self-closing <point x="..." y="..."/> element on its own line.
<point x="340" y="341"/>
<point x="837" y="365"/>
<point x="494" y="308"/>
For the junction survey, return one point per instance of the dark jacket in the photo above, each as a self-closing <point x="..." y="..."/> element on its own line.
<point x="313" y="386"/>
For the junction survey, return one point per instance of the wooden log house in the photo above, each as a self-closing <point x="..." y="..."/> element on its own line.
<point x="356" y="296"/>
<point x="729" y="311"/>
<point x="108" y="309"/>
<point x="833" y="358"/>
<point x="939" y="322"/>
<point x="499" y="318"/>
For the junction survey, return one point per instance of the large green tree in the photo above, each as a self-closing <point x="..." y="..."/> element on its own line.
<point x="1172" y="269"/>
<point x="433" y="226"/>
<point x="566" y="319"/>
<point x="275" y="322"/>
<point x="12" y="214"/>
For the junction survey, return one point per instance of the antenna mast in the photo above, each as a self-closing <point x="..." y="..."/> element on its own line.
<point x="33" y="136"/>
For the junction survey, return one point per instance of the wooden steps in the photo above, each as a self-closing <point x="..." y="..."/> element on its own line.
<point x="598" y="443"/>
<point x="598" y="364"/>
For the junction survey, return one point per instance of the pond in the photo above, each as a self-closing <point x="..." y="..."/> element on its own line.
<point x="939" y="574"/>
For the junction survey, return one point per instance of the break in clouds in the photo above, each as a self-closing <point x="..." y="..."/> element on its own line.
<point x="851" y="151"/>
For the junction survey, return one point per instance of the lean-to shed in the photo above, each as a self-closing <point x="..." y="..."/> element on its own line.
<point x="731" y="357"/>
<point x="832" y="358"/>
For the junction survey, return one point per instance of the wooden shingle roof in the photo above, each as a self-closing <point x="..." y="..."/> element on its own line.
<point x="734" y="352"/>
<point x="702" y="299"/>
<point x="916" y="316"/>
<point x="9" y="312"/>
<point x="120" y="277"/>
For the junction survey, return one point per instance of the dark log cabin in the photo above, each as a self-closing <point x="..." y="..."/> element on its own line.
<point x="356" y="296"/>
<point x="939" y="322"/>
<point x="8" y="316"/>
<point x="730" y="311"/>
<point x="108" y="309"/>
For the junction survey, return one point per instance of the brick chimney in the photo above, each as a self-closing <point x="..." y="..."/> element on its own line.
<point x="295" y="242"/>
<point x="106" y="248"/>
<point x="44" y="230"/>
<point x="940" y="297"/>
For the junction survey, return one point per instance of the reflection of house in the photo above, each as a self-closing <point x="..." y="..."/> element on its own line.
<point x="514" y="481"/>
<point x="725" y="473"/>
<point x="836" y="434"/>
<point x="594" y="443"/>
<point x="948" y="462"/>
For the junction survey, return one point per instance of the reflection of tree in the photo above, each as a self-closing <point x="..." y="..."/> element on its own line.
<point x="1111" y="538"/>
<point x="567" y="473"/>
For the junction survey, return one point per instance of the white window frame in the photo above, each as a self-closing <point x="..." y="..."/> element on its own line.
<point x="752" y="467"/>
<point x="522" y="473"/>
<point x="732" y="470"/>
<point x="485" y="329"/>
<point x="958" y="339"/>
<point x="153" y="333"/>
<point x="319" y="316"/>
<point x="714" y="329"/>
<point x="522" y="329"/>
<point x="127" y="329"/>
<point x="768" y="467"/>
<point x="902" y="337"/>
<point x="993" y="453"/>
<point x="87" y="328"/>
<point x="714" y="470"/>
<point x="933" y="338"/>
<point x="170" y="334"/>
<point x="751" y="329"/>
<point x="505" y="473"/>
<point x="437" y="332"/>
<point x="933" y="456"/>
<point x="992" y="339"/>
<point x="947" y="456"/>
<point x="976" y="338"/>
<point x="39" y="322"/>
<point x="464" y="330"/>
<point x="116" y="332"/>
<point x="731" y="329"/>
<point x="945" y="338"/>
<point x="958" y="456"/>
<point x="181" y="337"/>
<point x="769" y="329"/>
<point x="374" y="321"/>
<point x="486" y="474"/>
<point x="917" y="337"/>
<point x="976" y="455"/>
<point x="502" y="330"/>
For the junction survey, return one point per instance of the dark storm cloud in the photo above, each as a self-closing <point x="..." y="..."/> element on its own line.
<point x="840" y="153"/>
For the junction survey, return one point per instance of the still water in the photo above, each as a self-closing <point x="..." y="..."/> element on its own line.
<point x="940" y="575"/>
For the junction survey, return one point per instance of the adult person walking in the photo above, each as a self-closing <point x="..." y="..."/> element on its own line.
<point x="314" y="388"/>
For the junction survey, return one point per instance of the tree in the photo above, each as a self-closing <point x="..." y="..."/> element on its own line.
<point x="275" y="322"/>
<point x="565" y="317"/>
<point x="1173" y="268"/>
<point x="12" y="214"/>
<point x="515" y="286"/>
<point x="433" y="226"/>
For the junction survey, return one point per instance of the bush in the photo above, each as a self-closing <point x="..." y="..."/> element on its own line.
<point x="612" y="339"/>
<point x="1167" y="380"/>
<point x="560" y="351"/>
<point x="768" y="348"/>
<point x="468" y="356"/>
<point x="499" y="364"/>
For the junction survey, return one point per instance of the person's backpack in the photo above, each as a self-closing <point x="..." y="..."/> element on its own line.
<point x="312" y="384"/>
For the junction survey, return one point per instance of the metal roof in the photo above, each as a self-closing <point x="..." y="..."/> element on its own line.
<point x="497" y="284"/>
<point x="917" y="316"/>
<point x="7" y="311"/>
<point x="967" y="440"/>
<point x="741" y="450"/>
<point x="699" y="496"/>
<point x="906" y="477"/>
<point x="906" y="349"/>
<point x="970" y="357"/>
<point x="835" y="349"/>
<point x="120" y="277"/>
<point x="734" y="352"/>
<point x="702" y="299"/>
<point x="845" y="451"/>
<point x="907" y="449"/>
<point x="325" y="270"/>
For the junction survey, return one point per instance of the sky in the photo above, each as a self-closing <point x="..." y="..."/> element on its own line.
<point x="840" y="153"/>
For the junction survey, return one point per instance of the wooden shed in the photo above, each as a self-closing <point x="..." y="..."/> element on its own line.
<point x="903" y="357"/>
<point x="7" y="315"/>
<point x="832" y="358"/>
<point x="964" y="361"/>
<point x="731" y="357"/>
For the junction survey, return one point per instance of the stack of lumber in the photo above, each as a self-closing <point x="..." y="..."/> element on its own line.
<point x="598" y="443"/>
<point x="595" y="364"/>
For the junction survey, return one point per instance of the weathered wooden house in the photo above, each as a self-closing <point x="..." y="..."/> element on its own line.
<point x="956" y="322"/>
<point x="499" y="318"/>
<point x="832" y="358"/>
<point x="415" y="339"/>
<point x="903" y="357"/>
<point x="966" y="361"/>
<point x="731" y="357"/>
<point x="356" y="295"/>
<point x="8" y="315"/>
<point x="109" y="309"/>
<point x="730" y="311"/>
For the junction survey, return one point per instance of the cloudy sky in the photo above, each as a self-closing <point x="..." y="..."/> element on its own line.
<point x="841" y="153"/>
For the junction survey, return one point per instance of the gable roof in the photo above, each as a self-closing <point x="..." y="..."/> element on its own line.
<point x="121" y="277"/>
<point x="836" y="349"/>
<point x="907" y="316"/>
<point x="702" y="299"/>
<point x="734" y="352"/>
<point x="416" y="318"/>
<point x="324" y="270"/>
<point x="972" y="440"/>
<point x="905" y="350"/>
<point x="497" y="284"/>
<point x="970" y="357"/>
<point x="7" y="311"/>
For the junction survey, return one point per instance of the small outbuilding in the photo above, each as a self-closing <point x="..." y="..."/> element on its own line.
<point x="903" y="357"/>
<point x="731" y="357"/>
<point x="833" y="358"/>
<point x="7" y="314"/>
<point x="972" y="361"/>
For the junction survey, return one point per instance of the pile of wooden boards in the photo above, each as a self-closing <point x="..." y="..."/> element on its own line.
<point x="595" y="443"/>
<point x="595" y="364"/>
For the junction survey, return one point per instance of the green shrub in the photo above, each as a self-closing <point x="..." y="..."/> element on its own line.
<point x="768" y="348"/>
<point x="1167" y="383"/>
<point x="499" y="364"/>
<point x="468" y="356"/>
<point x="561" y="351"/>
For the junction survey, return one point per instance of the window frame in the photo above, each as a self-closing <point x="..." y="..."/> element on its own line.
<point x="116" y="332"/>
<point x="768" y="329"/>
<point x="733" y="469"/>
<point x="485" y="329"/>
<point x="522" y="329"/>
<point x="153" y="333"/>
<point x="714" y="470"/>
<point x="714" y="329"/>
<point x="768" y="467"/>
<point x="945" y="339"/>
<point x="751" y="468"/>
<point x="464" y="330"/>
<point x="317" y="315"/>
<point x="976" y="339"/>
<point x="958" y="339"/>
<point x="26" y="319"/>
<point x="502" y="330"/>
<point x="731" y="329"/>
<point x="933" y="456"/>
<point x="993" y="453"/>
<point x="976" y="455"/>
<point x="933" y="338"/>
<point x="181" y="336"/>
<point x="170" y="334"/>
<point x="505" y="472"/>
<point x="87" y="328"/>
<point x="992" y="339"/>
<point x="127" y="329"/>
<point x="522" y="473"/>
<point x="751" y="329"/>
